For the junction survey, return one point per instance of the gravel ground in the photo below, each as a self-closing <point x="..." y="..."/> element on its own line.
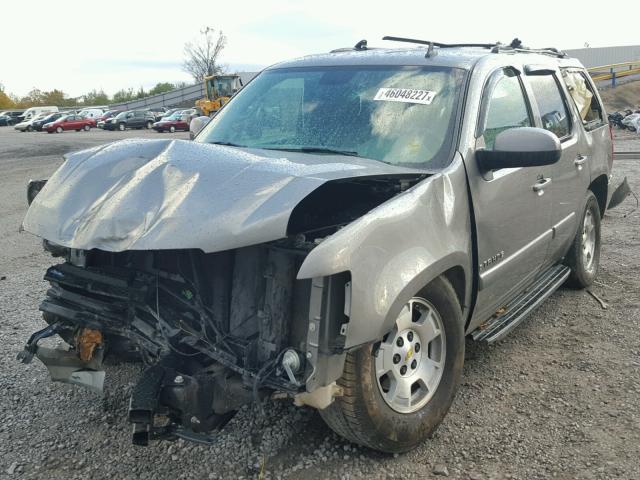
<point x="558" y="398"/>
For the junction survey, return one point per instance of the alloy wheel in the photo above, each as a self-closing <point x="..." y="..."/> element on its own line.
<point x="410" y="359"/>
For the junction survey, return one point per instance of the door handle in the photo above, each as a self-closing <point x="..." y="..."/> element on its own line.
<point x="579" y="161"/>
<point x="539" y="186"/>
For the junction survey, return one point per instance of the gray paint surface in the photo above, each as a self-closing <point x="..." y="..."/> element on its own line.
<point x="173" y="194"/>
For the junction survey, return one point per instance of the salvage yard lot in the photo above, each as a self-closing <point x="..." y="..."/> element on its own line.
<point x="558" y="398"/>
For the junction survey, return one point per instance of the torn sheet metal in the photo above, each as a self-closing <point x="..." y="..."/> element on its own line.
<point x="618" y="190"/>
<point x="174" y="194"/>
<point x="65" y="366"/>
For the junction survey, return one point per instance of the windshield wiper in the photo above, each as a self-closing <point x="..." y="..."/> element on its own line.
<point x="314" y="150"/>
<point x="228" y="144"/>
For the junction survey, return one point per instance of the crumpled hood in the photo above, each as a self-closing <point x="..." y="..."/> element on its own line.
<point x="174" y="194"/>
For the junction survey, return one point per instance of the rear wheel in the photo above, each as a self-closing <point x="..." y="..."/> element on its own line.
<point x="172" y="129"/>
<point x="29" y="128"/>
<point x="121" y="127"/>
<point x="584" y="255"/>
<point x="398" y="390"/>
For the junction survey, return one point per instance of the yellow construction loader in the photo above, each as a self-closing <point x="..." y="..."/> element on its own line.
<point x="219" y="89"/>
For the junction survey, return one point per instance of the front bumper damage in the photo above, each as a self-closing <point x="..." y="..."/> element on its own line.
<point x="83" y="368"/>
<point x="207" y="352"/>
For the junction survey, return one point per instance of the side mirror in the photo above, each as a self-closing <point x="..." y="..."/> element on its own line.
<point x="521" y="147"/>
<point x="196" y="125"/>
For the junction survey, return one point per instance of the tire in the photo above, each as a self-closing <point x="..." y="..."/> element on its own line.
<point x="149" y="125"/>
<point x="121" y="127"/>
<point x="172" y="129"/>
<point x="584" y="255"/>
<point x="59" y="130"/>
<point x="87" y="128"/>
<point x="363" y="416"/>
<point x="29" y="128"/>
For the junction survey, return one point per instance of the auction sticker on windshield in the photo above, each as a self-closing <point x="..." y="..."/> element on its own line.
<point x="406" y="95"/>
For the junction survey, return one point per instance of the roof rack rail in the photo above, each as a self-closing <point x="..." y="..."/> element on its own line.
<point x="553" y="52"/>
<point x="438" y="44"/>
<point x="515" y="46"/>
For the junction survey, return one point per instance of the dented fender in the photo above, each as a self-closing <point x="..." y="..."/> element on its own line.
<point x="396" y="249"/>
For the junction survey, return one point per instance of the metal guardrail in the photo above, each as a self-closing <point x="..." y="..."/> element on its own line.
<point x="626" y="155"/>
<point x="175" y="97"/>
<point x="614" y="71"/>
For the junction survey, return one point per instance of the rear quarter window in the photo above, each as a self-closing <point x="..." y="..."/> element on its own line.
<point x="584" y="98"/>
<point x="551" y="104"/>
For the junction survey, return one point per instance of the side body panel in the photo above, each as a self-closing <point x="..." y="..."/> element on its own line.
<point x="512" y="220"/>
<point x="570" y="179"/>
<point x="397" y="249"/>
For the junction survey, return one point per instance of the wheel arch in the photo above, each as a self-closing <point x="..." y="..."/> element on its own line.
<point x="451" y="268"/>
<point x="599" y="188"/>
<point x="458" y="280"/>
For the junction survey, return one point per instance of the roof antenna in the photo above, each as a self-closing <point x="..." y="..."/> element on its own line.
<point x="431" y="52"/>
<point x="516" y="43"/>
<point x="361" y="45"/>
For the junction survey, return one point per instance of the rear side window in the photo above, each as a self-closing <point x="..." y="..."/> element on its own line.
<point x="551" y="104"/>
<point x="584" y="98"/>
<point x="506" y="106"/>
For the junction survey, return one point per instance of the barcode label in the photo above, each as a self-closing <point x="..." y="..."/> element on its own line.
<point x="406" y="95"/>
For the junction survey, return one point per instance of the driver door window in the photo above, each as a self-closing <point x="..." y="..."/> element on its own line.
<point x="505" y="108"/>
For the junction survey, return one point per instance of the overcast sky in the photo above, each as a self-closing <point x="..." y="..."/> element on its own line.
<point x="77" y="46"/>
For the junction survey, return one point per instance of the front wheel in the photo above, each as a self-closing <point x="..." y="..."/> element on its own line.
<point x="87" y="128"/>
<point x="398" y="390"/>
<point x="29" y="128"/>
<point x="149" y="125"/>
<point x="584" y="255"/>
<point x="172" y="129"/>
<point x="121" y="127"/>
<point x="59" y="130"/>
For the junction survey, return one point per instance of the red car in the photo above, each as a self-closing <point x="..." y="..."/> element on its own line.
<point x="70" y="122"/>
<point x="177" y="121"/>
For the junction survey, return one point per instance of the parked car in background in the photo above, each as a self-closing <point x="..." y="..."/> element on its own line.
<point x="106" y="116"/>
<point x="70" y="122"/>
<point x="32" y="112"/>
<point x="27" y="125"/>
<point x="130" y="119"/>
<point x="116" y="122"/>
<point x="158" y="112"/>
<point x="171" y="111"/>
<point x="9" y="117"/>
<point x="51" y="117"/>
<point x="177" y="121"/>
<point x="192" y="112"/>
<point x="94" y="113"/>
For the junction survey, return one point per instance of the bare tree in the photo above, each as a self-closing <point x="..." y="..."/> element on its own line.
<point x="201" y="58"/>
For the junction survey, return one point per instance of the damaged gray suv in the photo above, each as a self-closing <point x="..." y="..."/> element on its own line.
<point x="330" y="237"/>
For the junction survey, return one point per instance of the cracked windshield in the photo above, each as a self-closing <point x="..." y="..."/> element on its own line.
<point x="398" y="115"/>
